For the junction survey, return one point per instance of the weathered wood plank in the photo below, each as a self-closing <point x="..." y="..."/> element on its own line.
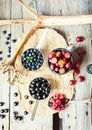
<point x="4" y="85"/>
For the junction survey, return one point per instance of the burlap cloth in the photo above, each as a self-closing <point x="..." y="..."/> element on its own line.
<point x="22" y="77"/>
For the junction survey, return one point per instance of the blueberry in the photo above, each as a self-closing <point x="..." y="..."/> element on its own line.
<point x="1" y="52"/>
<point x="9" y="34"/>
<point x="8" y="38"/>
<point x="15" y="112"/>
<point x="1" y="58"/>
<point x="26" y="96"/>
<point x="16" y="103"/>
<point x="2" y="111"/>
<point x="6" y="110"/>
<point x="25" y="112"/>
<point x="15" y="94"/>
<point x="50" y="104"/>
<point x="1" y="103"/>
<point x="30" y="102"/>
<point x="20" y="118"/>
<point x="66" y="101"/>
<point x="14" y="40"/>
<point x="2" y="116"/>
<point x="15" y="117"/>
<point x="7" y="43"/>
<point x="4" y="32"/>
<point x="8" y="55"/>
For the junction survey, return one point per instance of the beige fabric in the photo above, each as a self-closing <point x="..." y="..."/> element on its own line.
<point x="59" y="83"/>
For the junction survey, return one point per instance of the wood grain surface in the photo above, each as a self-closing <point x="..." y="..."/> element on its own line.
<point x="77" y="116"/>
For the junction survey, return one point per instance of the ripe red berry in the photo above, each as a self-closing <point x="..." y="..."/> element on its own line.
<point x="52" y="66"/>
<point x="68" y="65"/>
<point x="57" y="69"/>
<point x="81" y="53"/>
<point x="72" y="82"/>
<point x="79" y="38"/>
<point x="52" y="54"/>
<point x="67" y="55"/>
<point x="76" y="72"/>
<point x="58" y="102"/>
<point x="78" y="63"/>
<point x="54" y="60"/>
<point x="81" y="78"/>
<point x="58" y="54"/>
<point x="58" y="109"/>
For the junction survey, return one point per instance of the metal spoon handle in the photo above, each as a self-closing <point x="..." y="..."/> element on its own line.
<point x="34" y="109"/>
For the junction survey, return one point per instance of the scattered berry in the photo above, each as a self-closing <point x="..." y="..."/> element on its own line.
<point x="78" y="64"/>
<point x="25" y="112"/>
<point x="16" y="103"/>
<point x="4" y="32"/>
<point x="81" y="53"/>
<point x="14" y="40"/>
<point x="79" y="38"/>
<point x="15" y="94"/>
<point x="1" y="104"/>
<point x="2" y="116"/>
<point x="76" y="72"/>
<point x="1" y="52"/>
<point x="6" y="110"/>
<point x="1" y="58"/>
<point x="72" y="82"/>
<point x="81" y="78"/>
<point x="26" y="96"/>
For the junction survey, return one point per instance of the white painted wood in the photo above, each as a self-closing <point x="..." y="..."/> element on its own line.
<point x="75" y="116"/>
<point x="4" y="85"/>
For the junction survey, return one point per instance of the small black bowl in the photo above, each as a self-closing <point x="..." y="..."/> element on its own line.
<point x="71" y="60"/>
<point x="32" y="59"/>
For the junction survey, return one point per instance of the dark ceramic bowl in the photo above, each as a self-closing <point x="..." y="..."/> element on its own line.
<point x="32" y="59"/>
<point x="70" y="60"/>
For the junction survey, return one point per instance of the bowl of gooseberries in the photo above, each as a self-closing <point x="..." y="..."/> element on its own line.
<point x="60" y="61"/>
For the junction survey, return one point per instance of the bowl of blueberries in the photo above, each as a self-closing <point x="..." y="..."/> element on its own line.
<point x="32" y="59"/>
<point x="60" y="61"/>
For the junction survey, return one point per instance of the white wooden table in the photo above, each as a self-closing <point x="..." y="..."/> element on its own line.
<point x="77" y="116"/>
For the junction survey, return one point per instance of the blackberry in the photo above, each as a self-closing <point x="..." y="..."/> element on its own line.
<point x="39" y="88"/>
<point x="32" y="59"/>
